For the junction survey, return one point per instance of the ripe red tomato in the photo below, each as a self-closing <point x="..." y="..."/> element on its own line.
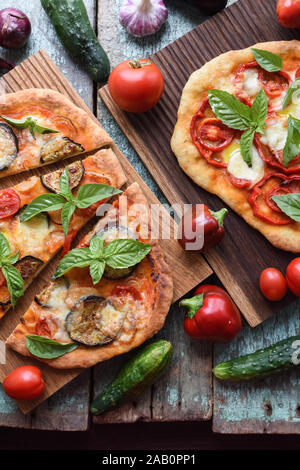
<point x="136" y="85"/>
<point x="288" y="13"/>
<point x="293" y="276"/>
<point x="9" y="202"/>
<point x="272" y="284"/>
<point x="24" y="383"/>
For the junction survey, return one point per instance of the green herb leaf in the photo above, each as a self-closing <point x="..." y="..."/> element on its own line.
<point x="96" y="270"/>
<point x="43" y="203"/>
<point x="64" y="184"/>
<point x="46" y="348"/>
<point x="76" y="258"/>
<point x="4" y="246"/>
<point x="28" y="123"/>
<point x="15" y="283"/>
<point x="96" y="245"/>
<point x="267" y="60"/>
<point x="66" y="214"/>
<point x="13" y="258"/>
<point x="292" y="144"/>
<point x="125" y="252"/>
<point x="246" y="143"/>
<point x="259" y="110"/>
<point x="295" y="86"/>
<point x="289" y="204"/>
<point x="230" y="110"/>
<point x="90" y="193"/>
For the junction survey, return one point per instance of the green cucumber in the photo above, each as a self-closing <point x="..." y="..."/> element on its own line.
<point x="71" y="22"/>
<point x="138" y="374"/>
<point x="268" y="361"/>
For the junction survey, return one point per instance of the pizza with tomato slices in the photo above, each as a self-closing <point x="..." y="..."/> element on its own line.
<point x="35" y="240"/>
<point x="40" y="126"/>
<point x="109" y="294"/>
<point x="238" y="136"/>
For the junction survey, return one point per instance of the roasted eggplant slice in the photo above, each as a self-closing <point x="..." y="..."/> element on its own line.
<point x="53" y="294"/>
<point x="94" y="321"/>
<point x="114" y="233"/>
<point x="4" y="296"/>
<point x="58" y="148"/>
<point x="28" y="267"/>
<point x="8" y="146"/>
<point x="51" y="181"/>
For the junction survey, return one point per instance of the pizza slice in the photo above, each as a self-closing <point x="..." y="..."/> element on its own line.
<point x="238" y="136"/>
<point x="40" y="126"/>
<point x="37" y="240"/>
<point x="79" y="320"/>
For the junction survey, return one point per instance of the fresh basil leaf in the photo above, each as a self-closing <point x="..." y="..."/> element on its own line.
<point x="125" y="252"/>
<point x="15" y="283"/>
<point x="292" y="144"/>
<point x="41" y="129"/>
<point x="66" y="214"/>
<point x="259" y="109"/>
<point x="17" y="123"/>
<point x="13" y="258"/>
<point x="90" y="193"/>
<point x="47" y="348"/>
<point x="27" y="123"/>
<point x="4" y="246"/>
<point x="229" y="109"/>
<point x="96" y="245"/>
<point x="246" y="143"/>
<point x="267" y="60"/>
<point x="295" y="86"/>
<point x="64" y="184"/>
<point x="289" y="204"/>
<point x="97" y="270"/>
<point x="76" y="258"/>
<point x="43" y="203"/>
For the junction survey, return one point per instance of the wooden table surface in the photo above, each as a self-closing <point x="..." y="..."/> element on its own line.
<point x="267" y="407"/>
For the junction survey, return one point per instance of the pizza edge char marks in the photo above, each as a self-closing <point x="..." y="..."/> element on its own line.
<point x="217" y="169"/>
<point x="23" y="149"/>
<point x="43" y="235"/>
<point x="132" y="308"/>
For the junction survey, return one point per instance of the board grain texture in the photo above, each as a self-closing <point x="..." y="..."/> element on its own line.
<point x="244" y="253"/>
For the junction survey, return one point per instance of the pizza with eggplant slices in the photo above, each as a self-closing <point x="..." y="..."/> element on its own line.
<point x="238" y="136"/>
<point x="108" y="295"/>
<point x="41" y="126"/>
<point x="36" y="217"/>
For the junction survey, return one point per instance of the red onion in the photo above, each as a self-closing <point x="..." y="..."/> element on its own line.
<point x="15" y="28"/>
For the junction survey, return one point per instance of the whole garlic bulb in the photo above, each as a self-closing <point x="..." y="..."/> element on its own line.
<point x="143" y="17"/>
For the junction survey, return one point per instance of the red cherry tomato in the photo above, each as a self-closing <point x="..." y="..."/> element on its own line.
<point x="272" y="284"/>
<point x="288" y="13"/>
<point x="214" y="135"/>
<point x="24" y="383"/>
<point x="293" y="276"/>
<point x="10" y="203"/>
<point x="68" y="240"/>
<point x="136" y="85"/>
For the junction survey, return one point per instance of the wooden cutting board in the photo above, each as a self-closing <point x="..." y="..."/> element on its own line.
<point x="239" y="260"/>
<point x="39" y="71"/>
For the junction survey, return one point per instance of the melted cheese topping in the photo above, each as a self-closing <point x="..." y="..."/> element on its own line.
<point x="239" y="168"/>
<point x="275" y="134"/>
<point x="251" y="83"/>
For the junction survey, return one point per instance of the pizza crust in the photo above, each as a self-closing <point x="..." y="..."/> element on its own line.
<point x="84" y="357"/>
<point x="90" y="134"/>
<point x="213" y="75"/>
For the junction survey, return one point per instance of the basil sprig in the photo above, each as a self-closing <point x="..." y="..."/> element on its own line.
<point x="121" y="253"/>
<point x="238" y="115"/>
<point x="292" y="144"/>
<point x="47" y="348"/>
<point x="295" y="86"/>
<point x="267" y="60"/>
<point x="289" y="204"/>
<point x="14" y="280"/>
<point x="87" y="195"/>
<point x="28" y="123"/>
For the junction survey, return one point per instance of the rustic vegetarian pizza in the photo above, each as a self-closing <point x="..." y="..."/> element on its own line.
<point x="40" y="126"/>
<point x="42" y="214"/>
<point x="238" y="136"/>
<point x="108" y="295"/>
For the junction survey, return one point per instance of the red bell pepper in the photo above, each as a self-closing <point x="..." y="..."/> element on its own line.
<point x="202" y="228"/>
<point x="211" y="315"/>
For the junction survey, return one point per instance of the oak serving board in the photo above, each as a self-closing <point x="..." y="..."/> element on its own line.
<point x="38" y="71"/>
<point x="244" y="253"/>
